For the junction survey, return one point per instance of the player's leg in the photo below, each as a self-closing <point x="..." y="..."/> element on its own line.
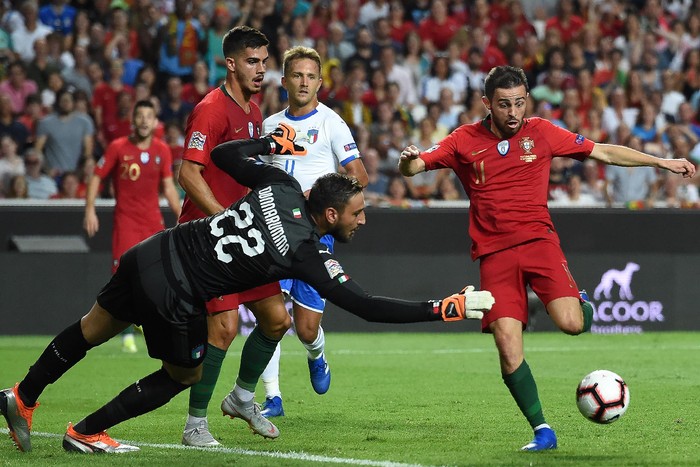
<point x="123" y="238"/>
<point x="273" y="322"/>
<point x="222" y="329"/>
<point x="65" y="350"/>
<point x="308" y="311"/>
<point x="553" y="283"/>
<point x="272" y="407"/>
<point x="180" y="346"/>
<point x="506" y="321"/>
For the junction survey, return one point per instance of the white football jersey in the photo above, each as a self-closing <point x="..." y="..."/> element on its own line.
<point x="325" y="136"/>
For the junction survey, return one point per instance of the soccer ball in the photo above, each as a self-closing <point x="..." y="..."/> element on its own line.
<point x="602" y="396"/>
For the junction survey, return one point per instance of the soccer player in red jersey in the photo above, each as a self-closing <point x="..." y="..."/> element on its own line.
<point x="139" y="166"/>
<point x="226" y="113"/>
<point x="503" y="163"/>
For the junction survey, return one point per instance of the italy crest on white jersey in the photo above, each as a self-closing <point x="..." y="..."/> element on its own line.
<point x="327" y="140"/>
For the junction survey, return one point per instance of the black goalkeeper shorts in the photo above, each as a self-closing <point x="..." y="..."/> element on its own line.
<point x="174" y="324"/>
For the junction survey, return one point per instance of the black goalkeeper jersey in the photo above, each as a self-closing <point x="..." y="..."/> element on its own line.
<point x="266" y="236"/>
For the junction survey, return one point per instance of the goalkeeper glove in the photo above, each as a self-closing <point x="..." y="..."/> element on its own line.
<point x="281" y="141"/>
<point x="467" y="304"/>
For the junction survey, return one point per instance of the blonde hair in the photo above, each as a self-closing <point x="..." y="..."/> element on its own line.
<point x="297" y="53"/>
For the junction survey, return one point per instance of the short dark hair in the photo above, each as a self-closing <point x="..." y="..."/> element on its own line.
<point x="242" y="37"/>
<point x="143" y="103"/>
<point x="332" y="190"/>
<point x="504" y="77"/>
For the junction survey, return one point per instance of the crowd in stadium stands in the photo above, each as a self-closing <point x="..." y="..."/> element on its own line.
<point x="398" y="72"/>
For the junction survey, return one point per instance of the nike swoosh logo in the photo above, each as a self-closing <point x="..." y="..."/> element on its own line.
<point x="128" y="158"/>
<point x="476" y="153"/>
<point x="238" y="130"/>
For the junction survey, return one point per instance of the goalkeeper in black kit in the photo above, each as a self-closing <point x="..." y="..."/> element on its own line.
<point x="163" y="283"/>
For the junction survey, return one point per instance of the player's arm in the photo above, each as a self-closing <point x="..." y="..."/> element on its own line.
<point x="197" y="189"/>
<point x="171" y="195"/>
<point x="355" y="168"/>
<point x="614" y="154"/>
<point x="409" y="162"/>
<point x="91" y="223"/>
<point x="238" y="157"/>
<point x="467" y="304"/>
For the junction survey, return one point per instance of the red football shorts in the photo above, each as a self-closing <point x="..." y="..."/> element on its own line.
<point x="540" y="264"/>
<point x="231" y="302"/>
<point x="125" y="235"/>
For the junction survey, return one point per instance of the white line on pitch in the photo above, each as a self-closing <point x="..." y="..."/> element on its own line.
<point x="300" y="456"/>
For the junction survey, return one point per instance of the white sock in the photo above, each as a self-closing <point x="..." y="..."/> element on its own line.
<point x="544" y="425"/>
<point x="243" y="395"/>
<point x="270" y="377"/>
<point x="315" y="349"/>
<point x="194" y="421"/>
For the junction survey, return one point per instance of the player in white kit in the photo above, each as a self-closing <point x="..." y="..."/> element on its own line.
<point x="329" y="145"/>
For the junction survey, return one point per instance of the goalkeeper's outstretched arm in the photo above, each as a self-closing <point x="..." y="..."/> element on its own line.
<point x="467" y="304"/>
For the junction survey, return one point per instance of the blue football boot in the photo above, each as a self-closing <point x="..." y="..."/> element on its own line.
<point x="320" y="374"/>
<point x="544" y="439"/>
<point x="272" y="407"/>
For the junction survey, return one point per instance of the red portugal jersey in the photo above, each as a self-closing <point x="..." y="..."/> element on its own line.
<point x="506" y="180"/>
<point x="215" y="120"/>
<point x="136" y="175"/>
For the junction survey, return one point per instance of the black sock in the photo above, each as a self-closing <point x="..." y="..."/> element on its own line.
<point x="64" y="351"/>
<point x="149" y="393"/>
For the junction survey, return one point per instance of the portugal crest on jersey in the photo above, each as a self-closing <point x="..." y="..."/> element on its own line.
<point x="312" y="135"/>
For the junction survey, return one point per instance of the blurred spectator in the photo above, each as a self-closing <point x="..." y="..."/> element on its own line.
<point x="33" y="112"/>
<point x="105" y="97"/>
<point x="635" y="91"/>
<point x="365" y="55"/>
<point x="592" y="184"/>
<point x="11" y="163"/>
<point x="447" y="190"/>
<point x="551" y="90"/>
<point x="681" y="192"/>
<point x="96" y="46"/>
<point x="58" y="16"/>
<point x="414" y="58"/>
<point x="39" y="185"/>
<point x="121" y="40"/>
<point x="324" y="13"/>
<point x="686" y="123"/>
<point x="17" y="87"/>
<point x="475" y="74"/>
<point x="299" y="33"/>
<point x="567" y="22"/>
<point x="631" y="186"/>
<point x="648" y="128"/>
<point x="397" y="192"/>
<point x="120" y="125"/>
<point x="399" y="74"/>
<point x="39" y="69"/>
<point x="425" y="184"/>
<point x="672" y="98"/>
<point x="378" y="182"/>
<point x="618" y="113"/>
<point x="372" y="10"/>
<point x="195" y="91"/>
<point x="23" y="38"/>
<point x="80" y="37"/>
<point x="68" y="189"/>
<point x="64" y="136"/>
<point x="17" y="188"/>
<point x="574" y="196"/>
<point x="181" y="42"/>
<point x="354" y="111"/>
<point x="77" y="75"/>
<point x="216" y="62"/>
<point x="449" y="110"/>
<point x="338" y="46"/>
<point x="54" y="83"/>
<point x="377" y="90"/>
<point x="10" y="18"/>
<point x="399" y="25"/>
<point x="591" y="127"/>
<point x="173" y="106"/>
<point x="86" y="167"/>
<point x="441" y="77"/>
<point x="9" y="125"/>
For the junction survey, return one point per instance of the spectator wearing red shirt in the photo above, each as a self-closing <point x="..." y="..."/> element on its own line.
<point x="566" y="22"/>
<point x="105" y="100"/>
<point x="195" y="91"/>
<point x="398" y="23"/>
<point x="438" y="28"/>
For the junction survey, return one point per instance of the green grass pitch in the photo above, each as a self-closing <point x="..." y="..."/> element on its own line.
<point x="396" y="399"/>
